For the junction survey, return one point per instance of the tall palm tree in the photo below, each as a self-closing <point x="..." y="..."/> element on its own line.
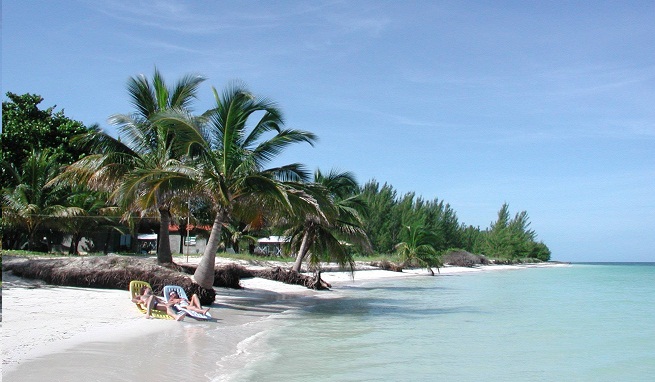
<point x="325" y="235"/>
<point x="141" y="169"/>
<point x="243" y="133"/>
<point x="33" y="203"/>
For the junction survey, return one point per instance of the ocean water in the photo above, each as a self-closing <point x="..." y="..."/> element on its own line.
<point x="585" y="322"/>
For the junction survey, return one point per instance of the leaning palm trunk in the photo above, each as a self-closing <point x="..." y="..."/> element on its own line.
<point x="302" y="252"/>
<point x="204" y="274"/>
<point x="164" y="255"/>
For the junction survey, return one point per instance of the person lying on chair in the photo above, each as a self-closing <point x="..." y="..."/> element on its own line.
<point x="148" y="299"/>
<point x="177" y="302"/>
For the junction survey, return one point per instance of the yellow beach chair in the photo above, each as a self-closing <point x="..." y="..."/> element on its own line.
<point x="135" y="289"/>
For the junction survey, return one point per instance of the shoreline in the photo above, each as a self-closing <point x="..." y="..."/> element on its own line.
<point x="41" y="320"/>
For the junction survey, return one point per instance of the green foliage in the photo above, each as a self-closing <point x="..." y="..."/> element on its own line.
<point x="166" y="157"/>
<point x="326" y="233"/>
<point x="26" y="128"/>
<point x="229" y="148"/>
<point x="416" y="248"/>
<point x="511" y="238"/>
<point x="389" y="214"/>
<point x="539" y="251"/>
<point x="92" y="215"/>
<point x="142" y="173"/>
<point x="33" y="204"/>
<point x="506" y="238"/>
<point x="381" y="225"/>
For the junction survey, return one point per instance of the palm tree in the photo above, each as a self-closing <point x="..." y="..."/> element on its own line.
<point x="230" y="154"/>
<point x="235" y="234"/>
<point x="141" y="170"/>
<point x="33" y="204"/>
<point x="324" y="234"/>
<point x="417" y="249"/>
<point x="94" y="214"/>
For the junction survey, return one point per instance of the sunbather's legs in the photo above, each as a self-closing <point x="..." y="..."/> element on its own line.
<point x="195" y="305"/>
<point x="151" y="303"/>
<point x="172" y="313"/>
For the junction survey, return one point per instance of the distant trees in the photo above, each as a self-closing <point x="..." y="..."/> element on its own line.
<point x="389" y="216"/>
<point x="511" y="238"/>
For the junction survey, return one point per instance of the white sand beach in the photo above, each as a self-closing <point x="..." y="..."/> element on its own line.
<point x="40" y="320"/>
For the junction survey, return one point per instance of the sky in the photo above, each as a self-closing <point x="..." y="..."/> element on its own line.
<point x="548" y="106"/>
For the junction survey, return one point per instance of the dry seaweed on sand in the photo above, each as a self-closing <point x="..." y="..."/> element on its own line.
<point x="111" y="272"/>
<point x="387" y="266"/>
<point x="461" y="258"/>
<point x="226" y="276"/>
<point x="116" y="272"/>
<point x="289" y="276"/>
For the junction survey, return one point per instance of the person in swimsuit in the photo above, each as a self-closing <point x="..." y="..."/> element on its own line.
<point x="148" y="299"/>
<point x="174" y="300"/>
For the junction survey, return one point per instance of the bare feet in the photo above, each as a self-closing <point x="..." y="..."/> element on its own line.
<point x="180" y="317"/>
<point x="149" y="317"/>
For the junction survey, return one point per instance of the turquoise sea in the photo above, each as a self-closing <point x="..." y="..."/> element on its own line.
<point x="584" y="322"/>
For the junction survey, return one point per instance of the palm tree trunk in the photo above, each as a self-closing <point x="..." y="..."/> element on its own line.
<point x="302" y="252"/>
<point x="30" y="240"/>
<point x="184" y="235"/>
<point x="70" y="249"/>
<point x="107" y="239"/>
<point x="204" y="274"/>
<point x="75" y="243"/>
<point x="164" y="255"/>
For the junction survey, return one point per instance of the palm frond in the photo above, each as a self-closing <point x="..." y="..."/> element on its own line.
<point x="143" y="97"/>
<point x="269" y="149"/>
<point x="185" y="91"/>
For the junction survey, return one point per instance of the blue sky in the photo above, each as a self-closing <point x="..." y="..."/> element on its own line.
<point x="548" y="106"/>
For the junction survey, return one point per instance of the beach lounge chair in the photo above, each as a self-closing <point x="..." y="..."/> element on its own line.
<point x="135" y="289"/>
<point x="180" y="292"/>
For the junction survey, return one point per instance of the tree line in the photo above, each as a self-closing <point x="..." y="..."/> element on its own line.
<point x="61" y="177"/>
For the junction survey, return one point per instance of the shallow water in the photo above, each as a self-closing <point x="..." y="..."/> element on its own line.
<point x="583" y="323"/>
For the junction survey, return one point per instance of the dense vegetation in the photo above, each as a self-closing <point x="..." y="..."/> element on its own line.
<point x="394" y="219"/>
<point x="60" y="178"/>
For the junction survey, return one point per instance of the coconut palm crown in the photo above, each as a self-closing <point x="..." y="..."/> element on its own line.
<point x="326" y="235"/>
<point x="230" y="150"/>
<point x="34" y="203"/>
<point x="141" y="169"/>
